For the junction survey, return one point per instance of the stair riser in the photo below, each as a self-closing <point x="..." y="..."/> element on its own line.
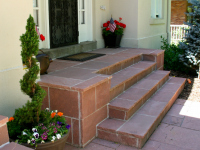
<point x="125" y="115"/>
<point x="119" y="138"/>
<point x="120" y="65"/>
<point x="115" y="91"/>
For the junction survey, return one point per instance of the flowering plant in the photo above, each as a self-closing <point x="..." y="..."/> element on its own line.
<point x="51" y="128"/>
<point x="118" y="30"/>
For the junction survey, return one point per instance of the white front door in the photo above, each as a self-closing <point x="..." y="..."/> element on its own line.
<point x="85" y="20"/>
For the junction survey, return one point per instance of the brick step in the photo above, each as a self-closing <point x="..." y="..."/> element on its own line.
<point x="137" y="130"/>
<point x="114" y="63"/>
<point x="125" y="78"/>
<point x="126" y="104"/>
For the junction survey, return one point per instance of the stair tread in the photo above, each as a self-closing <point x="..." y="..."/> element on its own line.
<point x="130" y="97"/>
<point x="121" y="76"/>
<point x="145" y="120"/>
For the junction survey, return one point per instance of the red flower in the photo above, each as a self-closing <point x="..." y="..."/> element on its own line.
<point x="60" y="114"/>
<point x="105" y="25"/>
<point x="118" y="24"/>
<point x="108" y="22"/>
<point x="107" y="29"/>
<point x="11" y="118"/>
<point x="124" y="26"/>
<point x="120" y="18"/>
<point x="42" y="37"/>
<point x="53" y="115"/>
<point x="116" y="21"/>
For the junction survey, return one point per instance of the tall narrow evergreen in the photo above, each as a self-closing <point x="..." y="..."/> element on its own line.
<point x="29" y="114"/>
<point x="191" y="45"/>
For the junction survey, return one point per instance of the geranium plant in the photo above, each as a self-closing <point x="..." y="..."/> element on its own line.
<point x="30" y="115"/>
<point x="118" y="30"/>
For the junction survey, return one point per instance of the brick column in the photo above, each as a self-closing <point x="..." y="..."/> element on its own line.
<point x="3" y="130"/>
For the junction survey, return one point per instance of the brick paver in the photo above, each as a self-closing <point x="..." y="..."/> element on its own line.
<point x="179" y="130"/>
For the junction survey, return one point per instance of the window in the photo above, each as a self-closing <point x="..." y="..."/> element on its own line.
<point x="36" y="13"/>
<point x="156" y="8"/>
<point x="82" y="11"/>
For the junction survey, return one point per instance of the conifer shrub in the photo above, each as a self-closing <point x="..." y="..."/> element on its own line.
<point x="191" y="45"/>
<point x="29" y="114"/>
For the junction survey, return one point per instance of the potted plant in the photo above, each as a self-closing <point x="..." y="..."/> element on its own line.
<point x="31" y="126"/>
<point x="113" y="32"/>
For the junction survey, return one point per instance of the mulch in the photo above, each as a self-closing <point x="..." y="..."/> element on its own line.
<point x="191" y="90"/>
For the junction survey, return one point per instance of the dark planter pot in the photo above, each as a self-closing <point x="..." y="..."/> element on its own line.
<point x="44" y="62"/>
<point x="56" y="145"/>
<point x="112" y="41"/>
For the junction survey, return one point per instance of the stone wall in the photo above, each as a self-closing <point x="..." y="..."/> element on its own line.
<point x="178" y="9"/>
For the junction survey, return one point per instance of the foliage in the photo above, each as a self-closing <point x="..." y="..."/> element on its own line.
<point x="191" y="45"/>
<point x="46" y="131"/>
<point x="30" y="115"/>
<point x="118" y="30"/>
<point x="171" y="59"/>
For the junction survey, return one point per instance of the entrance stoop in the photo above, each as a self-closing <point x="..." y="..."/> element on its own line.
<point x="70" y="50"/>
<point x="120" y="97"/>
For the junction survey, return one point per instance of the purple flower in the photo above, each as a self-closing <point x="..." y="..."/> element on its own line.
<point x="47" y="131"/>
<point x="40" y="124"/>
<point x="68" y="126"/>
<point x="44" y="136"/>
<point x="36" y="135"/>
<point x="59" y="123"/>
<point x="33" y="140"/>
<point x="34" y="130"/>
<point x="44" y="128"/>
<point x="54" y="130"/>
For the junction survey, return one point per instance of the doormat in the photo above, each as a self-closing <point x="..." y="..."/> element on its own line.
<point x="81" y="56"/>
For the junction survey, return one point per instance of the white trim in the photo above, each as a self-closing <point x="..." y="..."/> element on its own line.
<point x="4" y="145"/>
<point x="13" y="68"/>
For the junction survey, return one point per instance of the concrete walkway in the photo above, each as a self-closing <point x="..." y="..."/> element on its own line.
<point x="179" y="130"/>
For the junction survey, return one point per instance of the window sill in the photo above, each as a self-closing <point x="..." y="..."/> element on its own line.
<point x="156" y="21"/>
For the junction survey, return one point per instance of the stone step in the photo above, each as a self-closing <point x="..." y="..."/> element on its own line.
<point x="126" y="104"/>
<point x="137" y="130"/>
<point x="125" y="78"/>
<point x="117" y="62"/>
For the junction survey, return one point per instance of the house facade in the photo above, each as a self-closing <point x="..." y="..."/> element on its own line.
<point x="75" y="21"/>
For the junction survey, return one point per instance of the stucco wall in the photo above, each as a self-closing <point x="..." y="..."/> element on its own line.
<point x="100" y="17"/>
<point x="136" y="14"/>
<point x="128" y="10"/>
<point x="13" y="16"/>
<point x="149" y="29"/>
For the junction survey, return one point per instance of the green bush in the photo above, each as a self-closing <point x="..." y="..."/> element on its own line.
<point x="172" y="60"/>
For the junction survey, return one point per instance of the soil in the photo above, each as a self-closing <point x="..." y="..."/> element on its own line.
<point x="191" y="90"/>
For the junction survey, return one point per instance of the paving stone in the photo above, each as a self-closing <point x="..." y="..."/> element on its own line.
<point x="183" y="102"/>
<point x="124" y="147"/>
<point x="191" y="123"/>
<point x="178" y="111"/>
<point x="151" y="145"/>
<point x="172" y="120"/>
<point x="106" y="143"/>
<point x="94" y="146"/>
<point x="177" y="136"/>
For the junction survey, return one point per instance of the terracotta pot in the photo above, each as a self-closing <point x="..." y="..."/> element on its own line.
<point x="112" y="41"/>
<point x="56" y="145"/>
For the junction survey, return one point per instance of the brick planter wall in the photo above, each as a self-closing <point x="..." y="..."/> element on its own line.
<point x="178" y="9"/>
<point x="3" y="130"/>
<point x="84" y="106"/>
